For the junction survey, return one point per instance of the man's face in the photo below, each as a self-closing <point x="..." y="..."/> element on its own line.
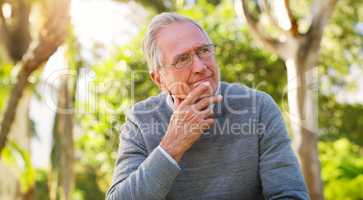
<point x="177" y="39"/>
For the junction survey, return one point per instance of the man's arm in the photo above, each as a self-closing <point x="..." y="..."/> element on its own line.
<point x="138" y="175"/>
<point x="279" y="170"/>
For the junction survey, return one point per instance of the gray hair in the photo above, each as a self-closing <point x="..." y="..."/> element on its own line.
<point x="151" y="52"/>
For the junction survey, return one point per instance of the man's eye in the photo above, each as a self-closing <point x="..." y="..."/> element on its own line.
<point x="204" y="50"/>
<point x="182" y="59"/>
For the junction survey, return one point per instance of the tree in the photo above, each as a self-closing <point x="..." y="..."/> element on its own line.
<point x="300" y="52"/>
<point x="62" y="172"/>
<point x="51" y="35"/>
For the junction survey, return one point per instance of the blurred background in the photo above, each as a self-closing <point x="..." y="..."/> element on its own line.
<point x="70" y="68"/>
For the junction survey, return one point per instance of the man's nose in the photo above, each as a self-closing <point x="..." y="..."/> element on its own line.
<point x="198" y="64"/>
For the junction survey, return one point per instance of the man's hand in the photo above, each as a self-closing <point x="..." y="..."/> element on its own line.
<point x="191" y="117"/>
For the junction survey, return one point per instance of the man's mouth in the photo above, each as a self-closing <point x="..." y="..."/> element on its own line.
<point x="195" y="84"/>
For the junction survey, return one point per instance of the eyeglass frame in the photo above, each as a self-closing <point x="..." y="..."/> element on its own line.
<point x="191" y="54"/>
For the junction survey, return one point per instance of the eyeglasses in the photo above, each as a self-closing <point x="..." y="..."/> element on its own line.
<point x="204" y="53"/>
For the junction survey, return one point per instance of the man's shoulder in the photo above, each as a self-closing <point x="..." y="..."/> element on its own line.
<point x="150" y="102"/>
<point x="148" y="106"/>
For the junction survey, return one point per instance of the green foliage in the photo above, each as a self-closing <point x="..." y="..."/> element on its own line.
<point x="111" y="89"/>
<point x="157" y="5"/>
<point x="340" y="120"/>
<point x="87" y="184"/>
<point x="342" y="43"/>
<point x="5" y="82"/>
<point x="167" y="5"/>
<point x="342" y="169"/>
<point x="41" y="181"/>
<point x="18" y="158"/>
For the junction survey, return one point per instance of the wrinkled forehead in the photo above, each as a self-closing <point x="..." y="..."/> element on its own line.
<point x="178" y="38"/>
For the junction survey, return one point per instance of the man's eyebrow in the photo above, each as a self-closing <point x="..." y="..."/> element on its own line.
<point x="179" y="55"/>
<point x="186" y="53"/>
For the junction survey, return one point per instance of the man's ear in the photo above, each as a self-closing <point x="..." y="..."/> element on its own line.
<point x="155" y="76"/>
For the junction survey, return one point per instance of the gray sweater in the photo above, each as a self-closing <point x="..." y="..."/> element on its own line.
<point x="245" y="155"/>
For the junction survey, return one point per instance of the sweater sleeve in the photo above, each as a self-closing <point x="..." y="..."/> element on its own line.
<point x="139" y="175"/>
<point x="166" y="154"/>
<point x="279" y="169"/>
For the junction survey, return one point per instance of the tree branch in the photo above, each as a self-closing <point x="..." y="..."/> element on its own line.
<point x="318" y="22"/>
<point x="2" y="18"/>
<point x="294" y="29"/>
<point x="267" y="9"/>
<point x="270" y="44"/>
<point x="16" y="35"/>
<point x="3" y="27"/>
<point x="51" y="36"/>
<point x="312" y="38"/>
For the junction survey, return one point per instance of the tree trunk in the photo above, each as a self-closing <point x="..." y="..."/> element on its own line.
<point x="64" y="132"/>
<point x="62" y="166"/>
<point x="303" y="112"/>
<point x="61" y="180"/>
<point x="9" y="115"/>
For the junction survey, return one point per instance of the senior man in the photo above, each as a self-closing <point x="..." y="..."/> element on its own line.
<point x="201" y="138"/>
